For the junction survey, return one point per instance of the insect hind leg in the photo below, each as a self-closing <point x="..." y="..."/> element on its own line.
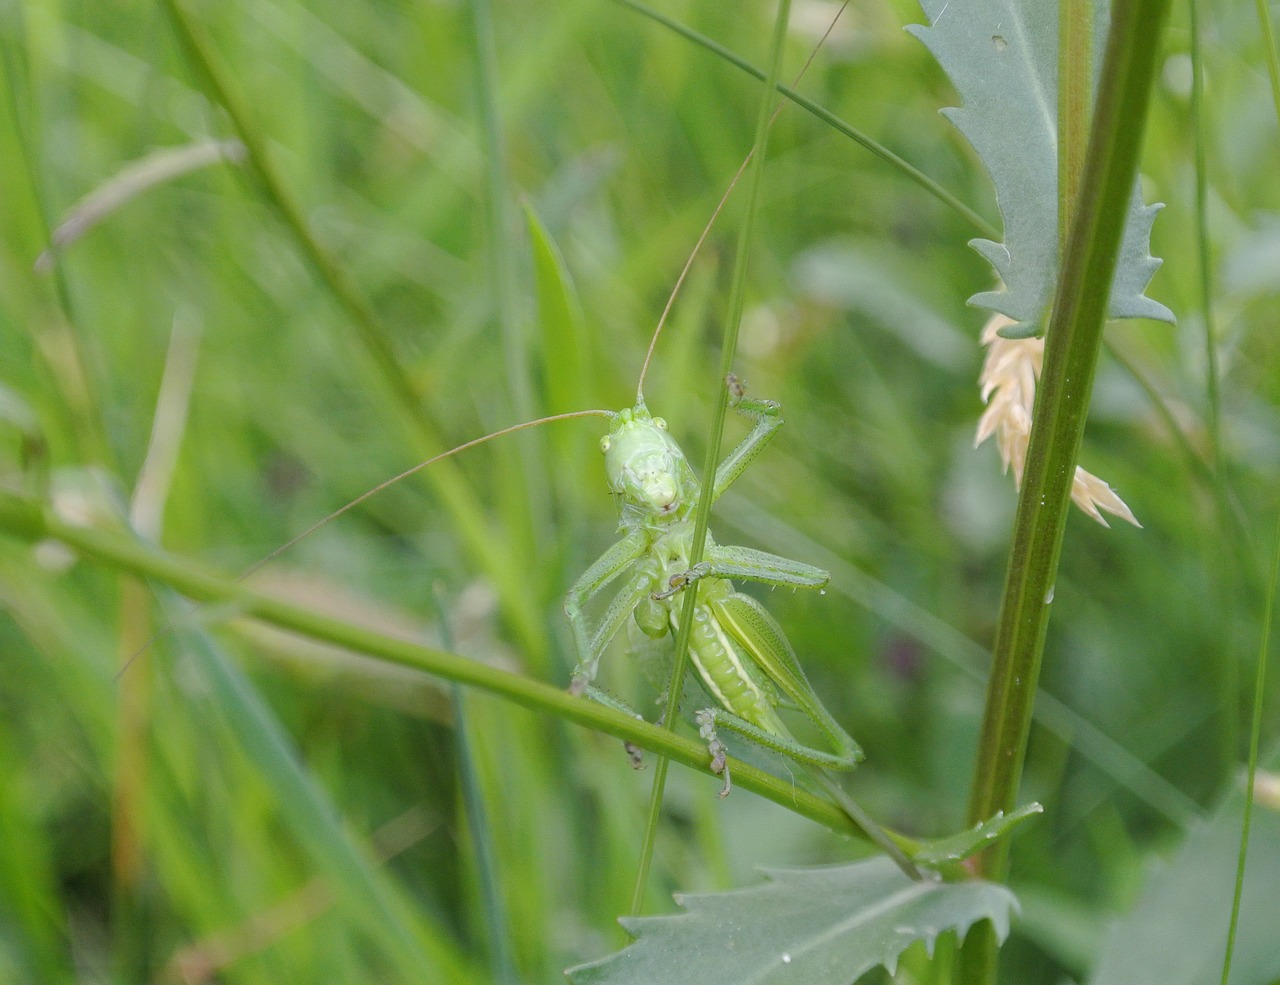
<point x="706" y="721"/>
<point x="710" y="719"/>
<point x="634" y="753"/>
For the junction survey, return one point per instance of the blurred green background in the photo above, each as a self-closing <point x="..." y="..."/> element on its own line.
<point x="186" y="360"/>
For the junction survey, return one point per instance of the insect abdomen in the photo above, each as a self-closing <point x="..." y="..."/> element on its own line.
<point x="725" y="674"/>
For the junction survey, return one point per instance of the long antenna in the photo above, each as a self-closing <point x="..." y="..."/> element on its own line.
<point x="706" y="230"/>
<point x="524" y="426"/>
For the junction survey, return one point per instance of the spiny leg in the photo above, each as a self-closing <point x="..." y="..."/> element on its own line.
<point x="747" y="564"/>
<point x="719" y="761"/>
<point x="768" y="418"/>
<point x="621" y="606"/>
<point x="605" y="569"/>
<point x="634" y="753"/>
<point x="781" y="742"/>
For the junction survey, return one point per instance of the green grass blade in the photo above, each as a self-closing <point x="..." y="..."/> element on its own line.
<point x="702" y="514"/>
<point x="502" y="961"/>
<point x="30" y="521"/>
<point x="980" y="225"/>
<point x="84" y="402"/>
<point x="457" y="498"/>
<point x="1269" y="52"/>
<point x="419" y="949"/>
<point x="1255" y="737"/>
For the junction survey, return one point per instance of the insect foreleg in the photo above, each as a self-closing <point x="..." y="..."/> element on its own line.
<point x="768" y="418"/>
<point x="621" y="606"/>
<point x="746" y="564"/>
<point x="606" y="568"/>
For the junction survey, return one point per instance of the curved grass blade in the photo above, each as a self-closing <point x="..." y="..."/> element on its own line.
<point x="30" y="520"/>
<point x="132" y="180"/>
<point x="825" y="115"/>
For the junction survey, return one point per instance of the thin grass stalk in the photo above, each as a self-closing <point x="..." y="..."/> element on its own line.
<point x="134" y="712"/>
<point x="1255" y="737"/>
<point x="458" y="499"/>
<point x="79" y="387"/>
<point x="31" y="521"/>
<point x="1269" y="50"/>
<point x="1199" y="140"/>
<point x="524" y="498"/>
<point x="1072" y="342"/>
<point x="1222" y="569"/>
<point x="131" y="955"/>
<point x="501" y="228"/>
<point x="501" y="957"/>
<point x="702" y="513"/>
<point x="980" y="225"/>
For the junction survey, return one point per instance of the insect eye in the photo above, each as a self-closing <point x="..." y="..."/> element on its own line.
<point x="606" y="443"/>
<point x="659" y="423"/>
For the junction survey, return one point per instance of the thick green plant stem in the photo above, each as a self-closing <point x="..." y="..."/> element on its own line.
<point x="31" y="520"/>
<point x="1075" y="77"/>
<point x="702" y="515"/>
<point x="1071" y="351"/>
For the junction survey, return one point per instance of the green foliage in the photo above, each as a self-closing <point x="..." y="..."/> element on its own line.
<point x="241" y="347"/>
<point x="812" y="925"/>
<point x="1176" y="931"/>
<point x="1002" y="57"/>
<point x="964" y="844"/>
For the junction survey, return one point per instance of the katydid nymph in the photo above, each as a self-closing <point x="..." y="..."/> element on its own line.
<point x="741" y="655"/>
<point x="739" y="651"/>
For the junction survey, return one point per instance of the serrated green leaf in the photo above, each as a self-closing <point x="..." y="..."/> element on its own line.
<point x="1176" y="933"/>
<point x="960" y="846"/>
<point x="804" y="925"/>
<point x="1001" y="56"/>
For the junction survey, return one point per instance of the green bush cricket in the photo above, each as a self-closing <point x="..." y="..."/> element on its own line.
<point x="742" y="657"/>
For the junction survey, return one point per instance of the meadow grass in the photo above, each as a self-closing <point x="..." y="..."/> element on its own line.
<point x="240" y="350"/>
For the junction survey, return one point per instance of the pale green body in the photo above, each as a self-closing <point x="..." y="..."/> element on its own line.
<point x="739" y="651"/>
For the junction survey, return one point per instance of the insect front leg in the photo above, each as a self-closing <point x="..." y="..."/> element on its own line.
<point x="768" y="418"/>
<point x="606" y="568"/>
<point x="621" y="607"/>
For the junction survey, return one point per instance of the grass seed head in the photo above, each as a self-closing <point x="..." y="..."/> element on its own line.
<point x="1008" y="382"/>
